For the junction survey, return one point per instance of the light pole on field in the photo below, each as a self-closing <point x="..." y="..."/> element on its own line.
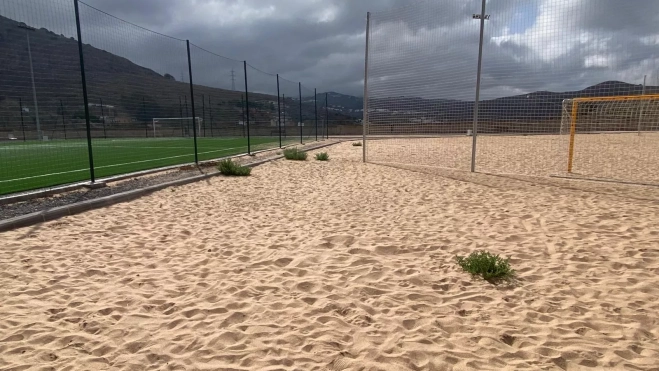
<point x="34" y="89"/>
<point x="482" y="18"/>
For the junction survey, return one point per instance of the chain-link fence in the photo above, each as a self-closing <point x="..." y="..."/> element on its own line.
<point x="85" y="95"/>
<point x="549" y="87"/>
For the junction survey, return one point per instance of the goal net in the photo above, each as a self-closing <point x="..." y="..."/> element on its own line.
<point x="612" y="136"/>
<point x="166" y="127"/>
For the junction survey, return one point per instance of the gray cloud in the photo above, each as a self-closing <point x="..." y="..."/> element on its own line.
<point x="419" y="47"/>
<point x="431" y="49"/>
<point x="318" y="43"/>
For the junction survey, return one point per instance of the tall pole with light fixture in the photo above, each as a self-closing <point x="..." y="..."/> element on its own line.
<point x="34" y="89"/>
<point x="482" y="17"/>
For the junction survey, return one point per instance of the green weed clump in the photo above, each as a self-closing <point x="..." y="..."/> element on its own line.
<point x="295" y="154"/>
<point x="490" y="267"/>
<point x="323" y="156"/>
<point x="357" y="144"/>
<point x="230" y="168"/>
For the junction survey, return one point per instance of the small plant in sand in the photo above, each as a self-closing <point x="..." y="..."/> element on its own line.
<point x="323" y="156"/>
<point x="295" y="154"/>
<point x="228" y="167"/>
<point x="492" y="268"/>
<point x="357" y="144"/>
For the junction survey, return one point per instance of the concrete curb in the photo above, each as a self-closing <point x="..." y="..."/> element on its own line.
<point x="97" y="203"/>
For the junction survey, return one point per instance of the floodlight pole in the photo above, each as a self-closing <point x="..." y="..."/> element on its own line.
<point x="34" y="88"/>
<point x="482" y="17"/>
<point x="365" y="113"/>
<point x="20" y="104"/>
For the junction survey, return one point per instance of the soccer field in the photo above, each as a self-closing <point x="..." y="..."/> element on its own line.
<point x="32" y="165"/>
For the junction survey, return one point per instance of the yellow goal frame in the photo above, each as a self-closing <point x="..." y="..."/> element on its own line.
<point x="575" y="109"/>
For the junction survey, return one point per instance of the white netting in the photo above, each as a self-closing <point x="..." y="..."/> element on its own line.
<point x="421" y="85"/>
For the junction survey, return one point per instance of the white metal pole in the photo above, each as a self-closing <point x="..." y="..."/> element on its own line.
<point x="365" y="115"/>
<point x="34" y="89"/>
<point x="640" y="110"/>
<point x="478" y="90"/>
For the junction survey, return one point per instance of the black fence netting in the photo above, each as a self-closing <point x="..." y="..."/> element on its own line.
<point x="137" y="84"/>
<point x="310" y="123"/>
<point x="86" y="95"/>
<point x="220" y="103"/>
<point x="41" y="100"/>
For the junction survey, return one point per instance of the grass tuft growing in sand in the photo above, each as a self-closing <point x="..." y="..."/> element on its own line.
<point x="323" y="156"/>
<point x="295" y="154"/>
<point x="490" y="267"/>
<point x="230" y="168"/>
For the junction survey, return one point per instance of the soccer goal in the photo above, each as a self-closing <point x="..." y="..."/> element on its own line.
<point x="175" y="126"/>
<point x="614" y="137"/>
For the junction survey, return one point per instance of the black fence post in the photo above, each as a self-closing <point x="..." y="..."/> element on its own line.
<point x="194" y="117"/>
<point x="326" y="117"/>
<point x="210" y="113"/>
<point x="105" y="133"/>
<point x="279" y="110"/>
<point x="315" y="110"/>
<point x="85" y="99"/>
<point x="249" y="148"/>
<point x="299" y="87"/>
<point x="20" y="104"/>
<point x="61" y="107"/>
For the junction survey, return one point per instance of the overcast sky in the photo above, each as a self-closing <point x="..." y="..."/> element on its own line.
<point x="418" y="47"/>
<point x="320" y="43"/>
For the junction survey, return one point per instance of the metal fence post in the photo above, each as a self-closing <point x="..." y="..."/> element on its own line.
<point x="315" y="110"/>
<point x="365" y="113"/>
<point x="194" y="117"/>
<point x="249" y="147"/>
<point x="279" y="110"/>
<point x="326" y="116"/>
<point x="299" y="86"/>
<point x="20" y="105"/>
<point x="85" y="98"/>
<point x="478" y="90"/>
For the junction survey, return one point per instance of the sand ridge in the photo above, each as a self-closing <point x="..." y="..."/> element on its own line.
<point x="338" y="266"/>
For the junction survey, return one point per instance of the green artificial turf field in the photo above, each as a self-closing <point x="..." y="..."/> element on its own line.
<point x="32" y="165"/>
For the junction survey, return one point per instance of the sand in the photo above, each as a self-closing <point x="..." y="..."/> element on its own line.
<point x="613" y="156"/>
<point x="339" y="266"/>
